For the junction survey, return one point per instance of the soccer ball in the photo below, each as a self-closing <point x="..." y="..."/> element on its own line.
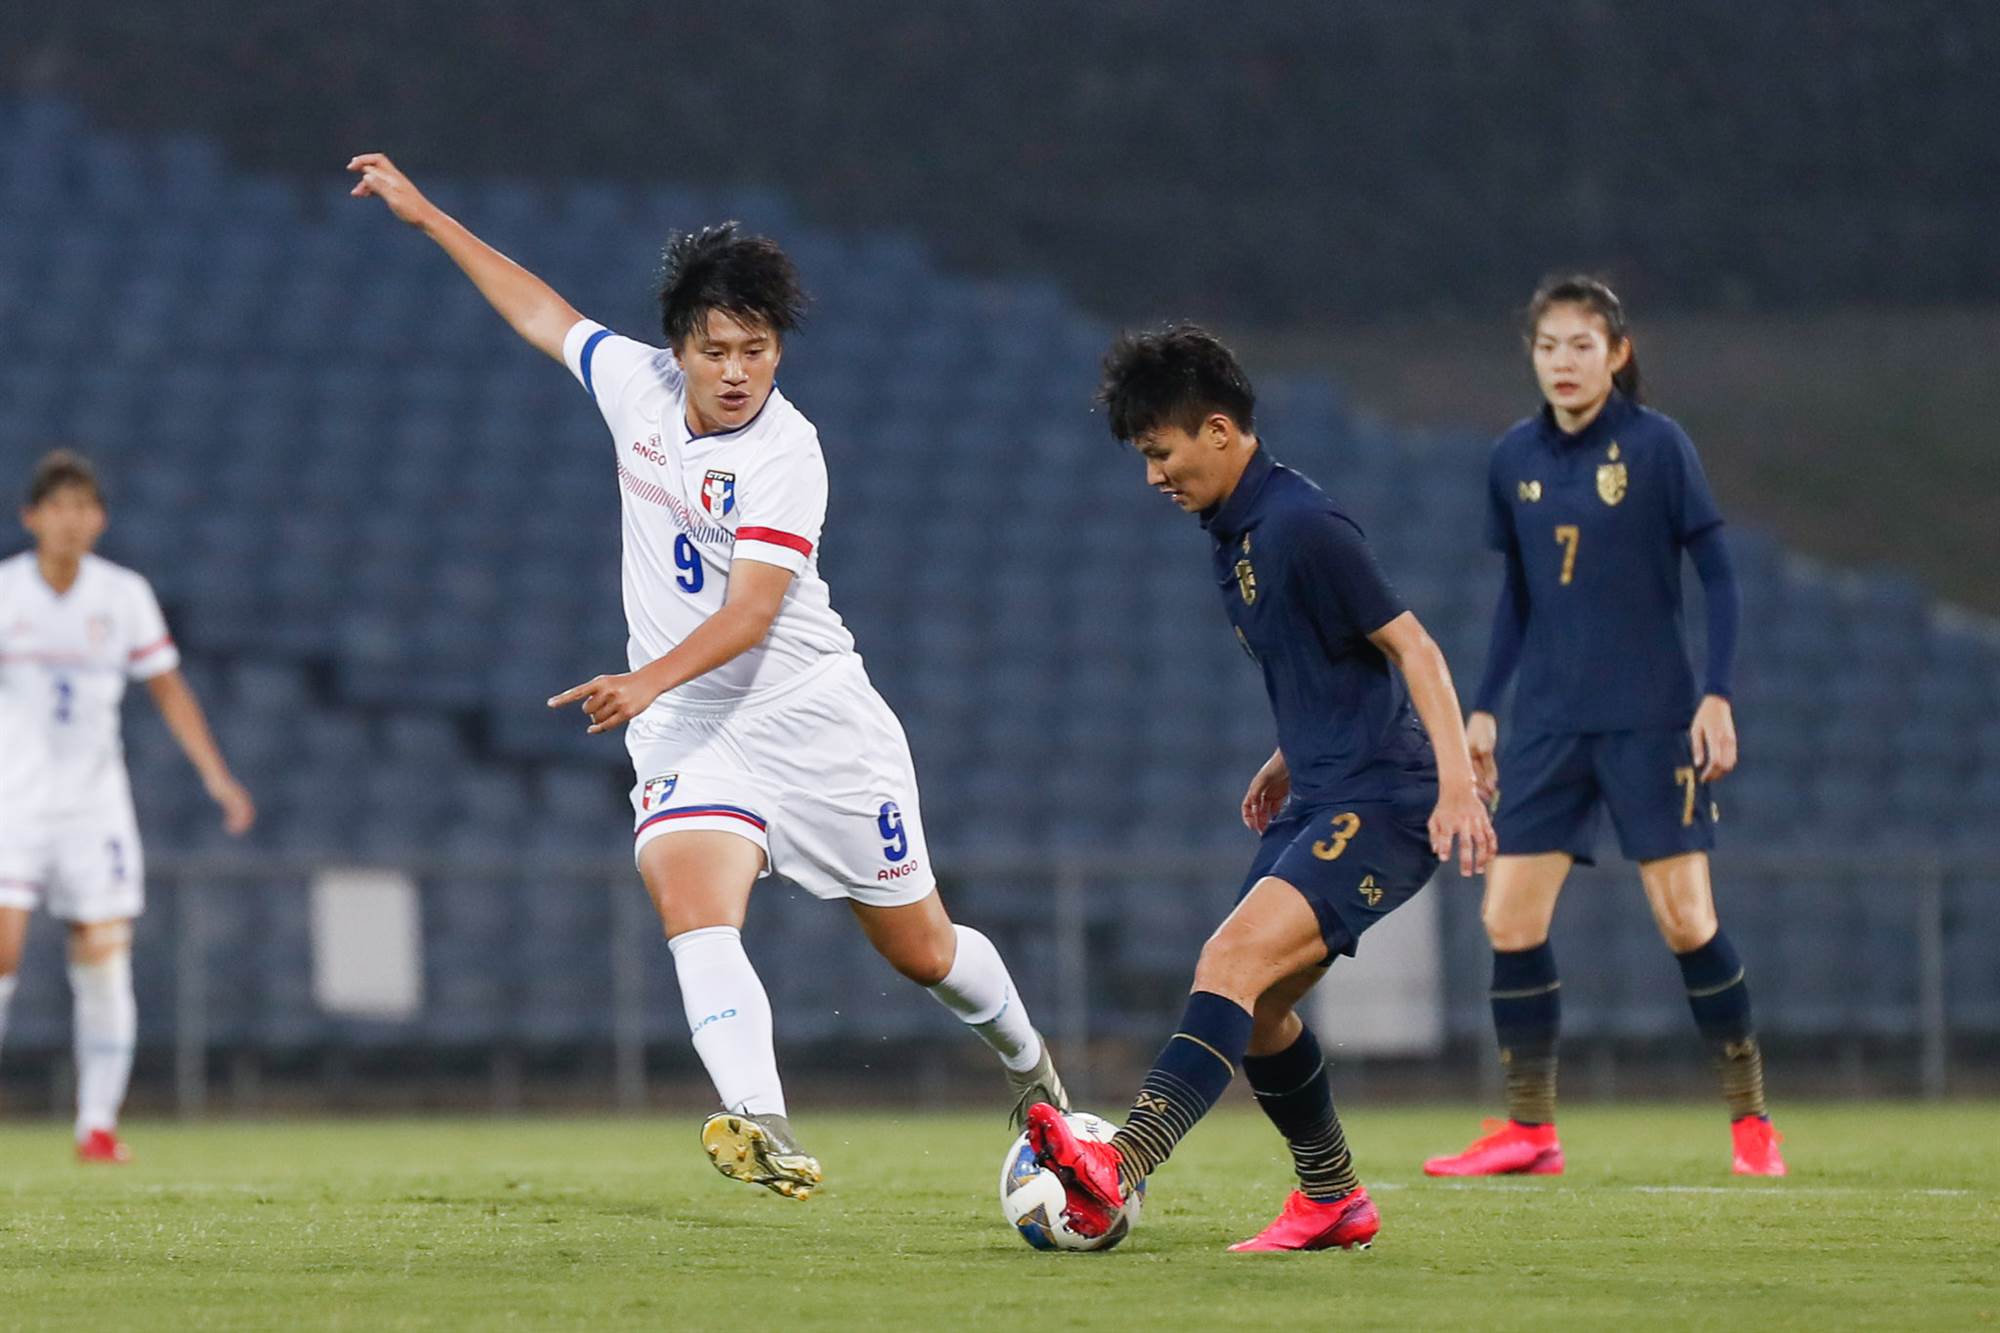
<point x="1031" y="1199"/>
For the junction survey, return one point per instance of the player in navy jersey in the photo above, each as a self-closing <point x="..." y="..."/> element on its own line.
<point x="1592" y="501"/>
<point x="1370" y="787"/>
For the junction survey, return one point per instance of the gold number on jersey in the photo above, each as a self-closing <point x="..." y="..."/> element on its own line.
<point x="1569" y="535"/>
<point x="1345" y="825"/>
<point x="1685" y="776"/>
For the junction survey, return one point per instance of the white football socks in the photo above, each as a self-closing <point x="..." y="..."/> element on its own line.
<point x="7" y="984"/>
<point x="981" y="993"/>
<point x="106" y="1027"/>
<point x="729" y="1016"/>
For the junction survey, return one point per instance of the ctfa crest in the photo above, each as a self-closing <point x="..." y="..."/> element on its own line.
<point x="1246" y="577"/>
<point x="99" y="629"/>
<point x="658" y="790"/>
<point x="718" y="493"/>
<point x="1611" y="478"/>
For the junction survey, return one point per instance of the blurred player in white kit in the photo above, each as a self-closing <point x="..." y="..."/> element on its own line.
<point x="757" y="741"/>
<point x="74" y="629"/>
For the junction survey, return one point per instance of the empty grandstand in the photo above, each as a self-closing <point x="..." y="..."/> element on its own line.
<point x="384" y="534"/>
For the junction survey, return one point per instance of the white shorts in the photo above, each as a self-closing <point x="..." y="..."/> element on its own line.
<point x="84" y="868"/>
<point x="818" y="776"/>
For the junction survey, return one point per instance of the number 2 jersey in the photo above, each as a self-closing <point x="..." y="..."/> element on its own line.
<point x="691" y="504"/>
<point x="65" y="659"/>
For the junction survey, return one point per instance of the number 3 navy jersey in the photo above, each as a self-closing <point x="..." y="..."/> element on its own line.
<point x="692" y="504"/>
<point x="1304" y="593"/>
<point x="1595" y="523"/>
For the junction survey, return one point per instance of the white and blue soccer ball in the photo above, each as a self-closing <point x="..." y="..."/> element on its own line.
<point x="1031" y="1199"/>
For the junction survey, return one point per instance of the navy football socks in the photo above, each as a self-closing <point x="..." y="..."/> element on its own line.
<point x="1721" y="1005"/>
<point x="1293" y="1088"/>
<point x="1192" y="1070"/>
<point x="1527" y="1011"/>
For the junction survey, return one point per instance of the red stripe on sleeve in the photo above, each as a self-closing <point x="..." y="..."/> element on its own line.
<point x="775" y="538"/>
<point x="165" y="642"/>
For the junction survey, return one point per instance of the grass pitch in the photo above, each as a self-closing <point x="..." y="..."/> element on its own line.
<point x="1890" y="1219"/>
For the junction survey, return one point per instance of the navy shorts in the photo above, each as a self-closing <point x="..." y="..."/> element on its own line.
<point x="1552" y="786"/>
<point x="1355" y="862"/>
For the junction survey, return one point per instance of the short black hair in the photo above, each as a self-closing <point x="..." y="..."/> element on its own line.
<point x="61" y="468"/>
<point x="1176" y="376"/>
<point x="719" y="268"/>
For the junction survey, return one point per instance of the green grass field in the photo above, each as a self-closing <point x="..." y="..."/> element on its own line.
<point x="1890" y="1219"/>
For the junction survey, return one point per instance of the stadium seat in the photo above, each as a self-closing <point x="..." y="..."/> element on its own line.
<point x="384" y="533"/>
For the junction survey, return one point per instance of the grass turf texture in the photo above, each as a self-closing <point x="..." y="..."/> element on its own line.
<point x="1891" y="1218"/>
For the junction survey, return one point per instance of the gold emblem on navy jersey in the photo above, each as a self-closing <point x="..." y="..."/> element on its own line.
<point x="1246" y="577"/>
<point x="1370" y="891"/>
<point x="1611" y="477"/>
<point x="1531" y="491"/>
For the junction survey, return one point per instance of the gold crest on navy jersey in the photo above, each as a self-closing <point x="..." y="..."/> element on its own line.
<point x="1531" y="491"/>
<point x="1246" y="577"/>
<point x="1611" y="477"/>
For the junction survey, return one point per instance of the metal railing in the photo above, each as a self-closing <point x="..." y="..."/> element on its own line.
<point x="1102" y="942"/>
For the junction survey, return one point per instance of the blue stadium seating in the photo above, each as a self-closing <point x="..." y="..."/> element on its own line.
<point x="385" y="533"/>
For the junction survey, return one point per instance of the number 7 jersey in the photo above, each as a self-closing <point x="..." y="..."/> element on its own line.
<point x="694" y="504"/>
<point x="1597" y="522"/>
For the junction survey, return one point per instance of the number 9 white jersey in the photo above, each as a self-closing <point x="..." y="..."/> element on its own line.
<point x="692" y="504"/>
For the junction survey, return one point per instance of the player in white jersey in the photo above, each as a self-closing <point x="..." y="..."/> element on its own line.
<point x="757" y="742"/>
<point x="74" y="629"/>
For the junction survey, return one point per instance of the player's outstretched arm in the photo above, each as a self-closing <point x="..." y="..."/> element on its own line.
<point x="756" y="592"/>
<point x="1461" y="813"/>
<point x="184" y="718"/>
<point x="530" y="305"/>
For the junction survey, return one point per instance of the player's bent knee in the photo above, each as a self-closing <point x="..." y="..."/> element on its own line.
<point x="1512" y="931"/>
<point x="1514" y="939"/>
<point x="917" y="939"/>
<point x="1233" y="965"/>
<point x="1683" y="905"/>
<point x="99" y="941"/>
<point x="925" y="966"/>
<point x="1684" y="931"/>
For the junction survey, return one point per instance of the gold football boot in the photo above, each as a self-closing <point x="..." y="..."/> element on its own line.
<point x="1039" y="1084"/>
<point x="760" y="1150"/>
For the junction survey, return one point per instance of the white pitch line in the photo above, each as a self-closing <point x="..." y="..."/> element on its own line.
<point x="1749" y="1191"/>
